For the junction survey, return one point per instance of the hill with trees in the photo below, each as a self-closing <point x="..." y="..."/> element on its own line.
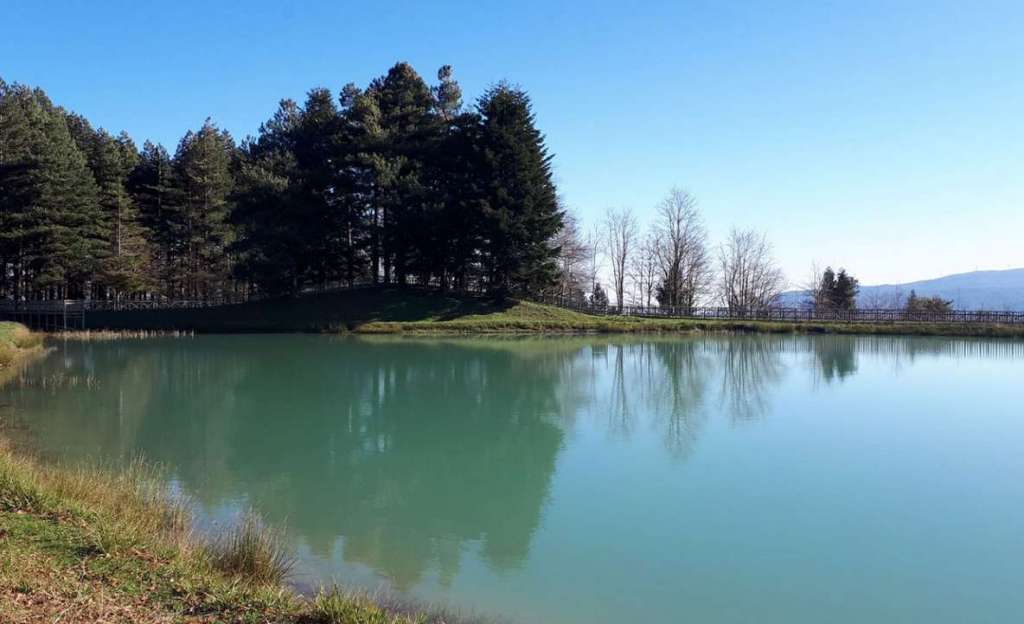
<point x="976" y="290"/>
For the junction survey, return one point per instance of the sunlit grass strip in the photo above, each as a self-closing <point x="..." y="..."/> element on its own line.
<point x="527" y="318"/>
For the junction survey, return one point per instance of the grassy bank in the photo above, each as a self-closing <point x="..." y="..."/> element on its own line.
<point x="91" y="545"/>
<point x="395" y="310"/>
<point x="526" y="317"/>
<point x="16" y="342"/>
<point x="98" y="544"/>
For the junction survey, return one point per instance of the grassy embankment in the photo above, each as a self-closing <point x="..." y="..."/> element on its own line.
<point x="394" y="310"/>
<point x="17" y="345"/>
<point x="88" y="545"/>
<point x="16" y="341"/>
<point x="91" y="544"/>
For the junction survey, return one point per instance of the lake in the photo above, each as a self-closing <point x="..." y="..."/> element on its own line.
<point x="589" y="479"/>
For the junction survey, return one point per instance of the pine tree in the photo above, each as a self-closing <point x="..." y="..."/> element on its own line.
<point x="322" y="210"/>
<point x="202" y="167"/>
<point x="49" y="206"/>
<point x="17" y="136"/>
<point x="455" y="230"/>
<point x="407" y="123"/>
<point x="836" y="291"/>
<point x="521" y="211"/>
<point x="398" y="182"/>
<point x="844" y="295"/>
<point x="447" y="94"/>
<point x="269" y="245"/>
<point x="152" y="189"/>
<point x="126" y="268"/>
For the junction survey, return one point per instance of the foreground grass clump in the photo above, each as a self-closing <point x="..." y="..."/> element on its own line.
<point x="15" y="341"/>
<point x="253" y="552"/>
<point x="94" y="545"/>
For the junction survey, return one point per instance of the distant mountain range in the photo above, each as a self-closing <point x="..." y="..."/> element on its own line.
<point x="977" y="290"/>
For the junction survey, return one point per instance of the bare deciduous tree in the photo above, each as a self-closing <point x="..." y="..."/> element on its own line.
<point x="681" y="251"/>
<point x="812" y="287"/>
<point x="749" y="278"/>
<point x="620" y="237"/>
<point x="644" y="270"/>
<point x="573" y="259"/>
<point x="883" y="299"/>
<point x="594" y="242"/>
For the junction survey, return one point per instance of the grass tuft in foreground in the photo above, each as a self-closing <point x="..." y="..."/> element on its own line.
<point x="253" y="552"/>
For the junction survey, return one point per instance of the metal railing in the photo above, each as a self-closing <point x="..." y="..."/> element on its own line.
<point x="74" y="310"/>
<point x="793" y="314"/>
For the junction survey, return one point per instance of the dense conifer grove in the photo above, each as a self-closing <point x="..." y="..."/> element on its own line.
<point x="396" y="183"/>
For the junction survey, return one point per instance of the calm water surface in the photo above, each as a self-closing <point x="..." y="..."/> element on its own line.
<point x="721" y="479"/>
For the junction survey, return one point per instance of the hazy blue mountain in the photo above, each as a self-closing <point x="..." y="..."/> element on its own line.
<point x="977" y="290"/>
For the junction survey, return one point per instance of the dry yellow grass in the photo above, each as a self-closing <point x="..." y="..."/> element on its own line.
<point x="16" y="341"/>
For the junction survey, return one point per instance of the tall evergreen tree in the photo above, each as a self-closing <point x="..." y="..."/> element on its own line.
<point x="203" y="169"/>
<point x="447" y="94"/>
<point x="269" y="247"/>
<point x="836" y="291"/>
<point x="844" y="296"/>
<point x="154" y="194"/>
<point x="522" y="214"/>
<point x="49" y="203"/>
<point x="407" y="123"/>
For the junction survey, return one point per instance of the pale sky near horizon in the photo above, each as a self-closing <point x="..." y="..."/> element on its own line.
<point x="886" y="137"/>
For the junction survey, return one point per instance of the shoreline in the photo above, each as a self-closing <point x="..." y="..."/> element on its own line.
<point x="92" y="543"/>
<point x="641" y="326"/>
<point x="393" y="310"/>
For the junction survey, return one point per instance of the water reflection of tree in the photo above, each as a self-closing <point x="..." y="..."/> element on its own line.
<point x="408" y="452"/>
<point x="751" y="367"/>
<point x="620" y="412"/>
<point x="681" y="391"/>
<point x="425" y="449"/>
<point x="836" y="356"/>
<point x="413" y="452"/>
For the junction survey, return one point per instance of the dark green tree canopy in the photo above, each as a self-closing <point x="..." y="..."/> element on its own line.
<point x="394" y="183"/>
<point x="836" y="291"/>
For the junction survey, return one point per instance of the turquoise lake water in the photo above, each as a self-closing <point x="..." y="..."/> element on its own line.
<point x="591" y="479"/>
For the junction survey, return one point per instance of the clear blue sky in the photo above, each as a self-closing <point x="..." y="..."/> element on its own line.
<point x="885" y="137"/>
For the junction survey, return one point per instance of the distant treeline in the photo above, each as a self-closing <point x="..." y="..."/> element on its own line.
<point x="397" y="183"/>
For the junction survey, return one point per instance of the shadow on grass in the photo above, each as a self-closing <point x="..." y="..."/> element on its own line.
<point x="308" y="313"/>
